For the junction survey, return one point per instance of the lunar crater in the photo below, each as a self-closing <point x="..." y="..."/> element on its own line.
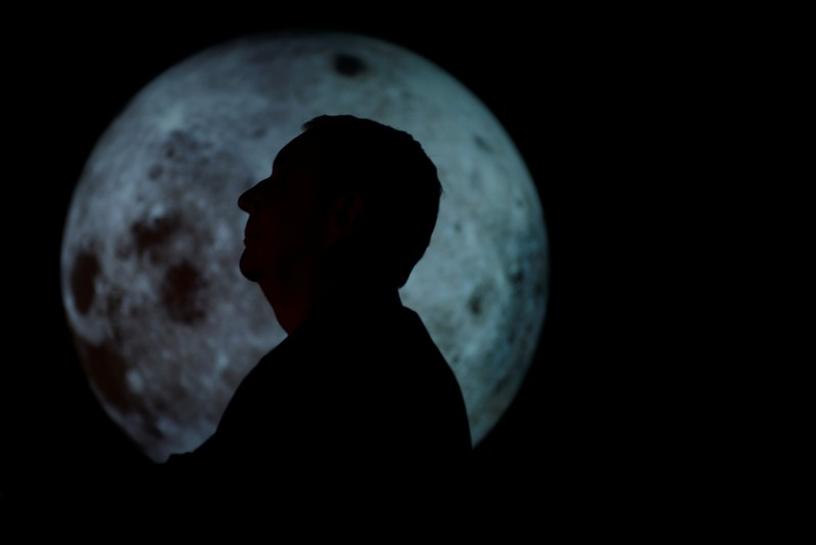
<point x="181" y="293"/>
<point x="83" y="277"/>
<point x="349" y="65"/>
<point x="482" y="144"/>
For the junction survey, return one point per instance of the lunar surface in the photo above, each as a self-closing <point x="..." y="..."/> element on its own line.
<point x="165" y="325"/>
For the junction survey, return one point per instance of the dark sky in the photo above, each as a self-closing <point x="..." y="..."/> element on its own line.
<point x="561" y="84"/>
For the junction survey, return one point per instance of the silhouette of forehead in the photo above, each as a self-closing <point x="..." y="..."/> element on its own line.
<point x="302" y="159"/>
<point x="300" y="153"/>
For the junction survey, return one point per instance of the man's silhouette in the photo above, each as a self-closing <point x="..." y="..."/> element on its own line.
<point x="358" y="389"/>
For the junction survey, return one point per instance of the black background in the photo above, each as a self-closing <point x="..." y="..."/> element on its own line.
<point x="580" y="93"/>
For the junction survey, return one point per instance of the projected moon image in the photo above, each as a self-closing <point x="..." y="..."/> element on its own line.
<point x="165" y="325"/>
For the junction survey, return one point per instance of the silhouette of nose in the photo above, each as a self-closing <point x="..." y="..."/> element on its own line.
<point x="246" y="201"/>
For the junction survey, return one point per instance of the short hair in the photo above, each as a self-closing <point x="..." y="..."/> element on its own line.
<point x="396" y="179"/>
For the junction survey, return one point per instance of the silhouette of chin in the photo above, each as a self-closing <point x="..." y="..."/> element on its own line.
<point x="247" y="270"/>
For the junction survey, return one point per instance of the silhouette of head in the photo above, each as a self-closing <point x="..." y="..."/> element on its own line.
<point x="349" y="202"/>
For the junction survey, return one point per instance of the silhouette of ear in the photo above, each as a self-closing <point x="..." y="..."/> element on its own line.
<point x="344" y="217"/>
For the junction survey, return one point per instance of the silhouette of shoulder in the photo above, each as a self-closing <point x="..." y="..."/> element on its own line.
<point x="365" y="389"/>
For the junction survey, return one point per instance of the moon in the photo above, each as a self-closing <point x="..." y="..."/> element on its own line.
<point x="165" y="325"/>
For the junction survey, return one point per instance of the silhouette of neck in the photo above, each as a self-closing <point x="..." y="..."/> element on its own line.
<point x="354" y="298"/>
<point x="341" y="294"/>
<point x="348" y="291"/>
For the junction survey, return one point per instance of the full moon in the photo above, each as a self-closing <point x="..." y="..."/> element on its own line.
<point x="165" y="325"/>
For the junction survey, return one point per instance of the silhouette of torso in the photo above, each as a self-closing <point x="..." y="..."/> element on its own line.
<point x="360" y="388"/>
